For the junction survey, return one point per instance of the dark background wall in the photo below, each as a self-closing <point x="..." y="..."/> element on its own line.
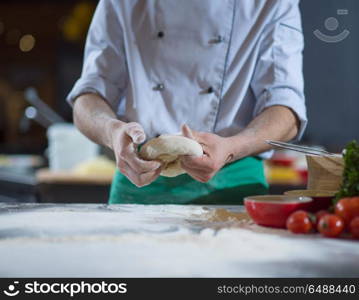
<point x="331" y="69"/>
<point x="331" y="73"/>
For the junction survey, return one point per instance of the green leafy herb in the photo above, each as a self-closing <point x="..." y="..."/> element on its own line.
<point x="350" y="184"/>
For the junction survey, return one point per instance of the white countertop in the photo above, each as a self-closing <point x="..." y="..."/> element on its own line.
<point x="90" y="240"/>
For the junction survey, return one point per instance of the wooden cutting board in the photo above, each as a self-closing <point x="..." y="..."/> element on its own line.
<point x="67" y="177"/>
<point x="325" y="172"/>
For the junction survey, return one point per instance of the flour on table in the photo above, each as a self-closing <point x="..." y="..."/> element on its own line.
<point x="160" y="241"/>
<point x="224" y="215"/>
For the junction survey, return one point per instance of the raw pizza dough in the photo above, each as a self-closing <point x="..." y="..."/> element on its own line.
<point x="168" y="149"/>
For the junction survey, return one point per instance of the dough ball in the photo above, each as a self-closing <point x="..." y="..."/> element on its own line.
<point x="168" y="149"/>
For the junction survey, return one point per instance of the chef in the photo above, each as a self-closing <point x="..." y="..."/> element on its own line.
<point x="231" y="70"/>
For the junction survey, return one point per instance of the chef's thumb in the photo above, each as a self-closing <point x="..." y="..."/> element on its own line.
<point x="136" y="133"/>
<point x="188" y="132"/>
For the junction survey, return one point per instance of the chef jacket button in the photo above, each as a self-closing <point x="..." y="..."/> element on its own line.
<point x="160" y="34"/>
<point x="210" y="90"/>
<point x="217" y="40"/>
<point x="159" y="87"/>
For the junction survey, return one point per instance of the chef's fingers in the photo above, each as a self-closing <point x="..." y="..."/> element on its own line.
<point x="130" y="155"/>
<point x="196" y="175"/>
<point x="199" y="172"/>
<point x="200" y="137"/>
<point x="141" y="165"/>
<point x="193" y="134"/>
<point x="139" y="179"/>
<point x="200" y="175"/>
<point x="193" y="167"/>
<point x="187" y="132"/>
<point x="203" y="162"/>
<point x="192" y="171"/>
<point x="147" y="178"/>
<point x="136" y="132"/>
<point x="206" y="149"/>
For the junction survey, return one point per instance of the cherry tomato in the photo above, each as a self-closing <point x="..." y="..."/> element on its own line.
<point x="355" y="206"/>
<point x="299" y="222"/>
<point x="347" y="209"/>
<point x="331" y="225"/>
<point x="354" y="227"/>
<point x="319" y="215"/>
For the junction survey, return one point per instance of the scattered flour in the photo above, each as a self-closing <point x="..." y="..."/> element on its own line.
<point x="160" y="240"/>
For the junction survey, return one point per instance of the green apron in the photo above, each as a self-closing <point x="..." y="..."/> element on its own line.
<point x="230" y="185"/>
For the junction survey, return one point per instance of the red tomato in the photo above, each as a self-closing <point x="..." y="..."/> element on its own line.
<point x="354" y="227"/>
<point x="347" y="209"/>
<point x="319" y="215"/>
<point x="331" y="225"/>
<point x="355" y="206"/>
<point x="299" y="222"/>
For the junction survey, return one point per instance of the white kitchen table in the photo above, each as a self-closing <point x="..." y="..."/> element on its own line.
<point x="91" y="240"/>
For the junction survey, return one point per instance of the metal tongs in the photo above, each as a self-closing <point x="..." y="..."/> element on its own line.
<point x="302" y="149"/>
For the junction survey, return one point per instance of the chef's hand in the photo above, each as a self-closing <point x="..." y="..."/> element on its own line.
<point x="217" y="152"/>
<point x="125" y="139"/>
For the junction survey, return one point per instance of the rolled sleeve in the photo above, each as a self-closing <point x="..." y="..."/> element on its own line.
<point x="278" y="78"/>
<point x="284" y="97"/>
<point x="104" y="69"/>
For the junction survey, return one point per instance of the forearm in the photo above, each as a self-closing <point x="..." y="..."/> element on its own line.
<point x="95" y="119"/>
<point x="275" y="123"/>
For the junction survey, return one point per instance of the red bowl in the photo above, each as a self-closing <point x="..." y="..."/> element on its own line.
<point x="321" y="199"/>
<point x="273" y="210"/>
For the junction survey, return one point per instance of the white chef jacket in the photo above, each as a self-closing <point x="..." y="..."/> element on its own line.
<point x="212" y="64"/>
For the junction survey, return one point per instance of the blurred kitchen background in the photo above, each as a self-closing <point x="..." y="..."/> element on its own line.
<point x="41" y="49"/>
